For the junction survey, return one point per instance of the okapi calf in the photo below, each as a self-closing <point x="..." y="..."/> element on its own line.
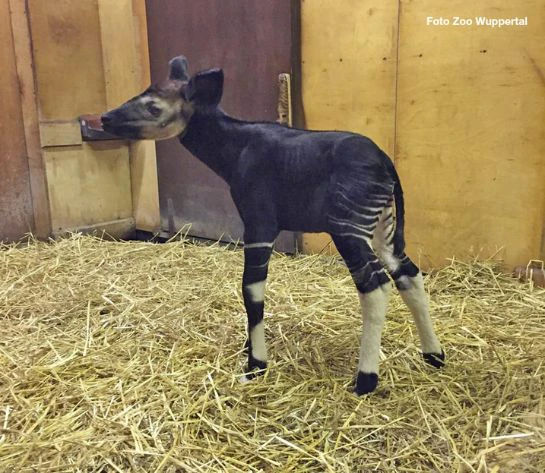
<point x="288" y="179"/>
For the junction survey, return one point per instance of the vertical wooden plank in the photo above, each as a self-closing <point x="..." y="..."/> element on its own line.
<point x="349" y="55"/>
<point x="16" y="211"/>
<point x="542" y="254"/>
<point x="123" y="33"/>
<point x="141" y="41"/>
<point x="118" y="51"/>
<point x="27" y="90"/>
<point x="145" y="184"/>
<point x="470" y="140"/>
<point x="296" y="65"/>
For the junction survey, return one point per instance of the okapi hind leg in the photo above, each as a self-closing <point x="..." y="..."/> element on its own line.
<point x="410" y="283"/>
<point x="373" y="313"/>
<point x="408" y="280"/>
<point x="373" y="287"/>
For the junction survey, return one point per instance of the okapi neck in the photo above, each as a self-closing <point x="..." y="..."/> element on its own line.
<point x="215" y="139"/>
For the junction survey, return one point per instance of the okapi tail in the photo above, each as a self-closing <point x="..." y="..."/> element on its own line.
<point x="399" y="238"/>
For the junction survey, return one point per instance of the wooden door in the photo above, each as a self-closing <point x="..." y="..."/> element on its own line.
<point x="252" y="41"/>
<point x="88" y="58"/>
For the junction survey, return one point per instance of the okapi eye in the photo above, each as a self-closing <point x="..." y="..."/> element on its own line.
<point x="154" y="109"/>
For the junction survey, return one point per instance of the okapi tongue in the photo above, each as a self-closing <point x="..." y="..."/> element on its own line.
<point x="91" y="121"/>
<point x="92" y="130"/>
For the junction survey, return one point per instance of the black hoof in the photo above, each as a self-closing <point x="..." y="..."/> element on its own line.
<point x="366" y="383"/>
<point x="435" y="359"/>
<point x="249" y="375"/>
<point x="255" y="368"/>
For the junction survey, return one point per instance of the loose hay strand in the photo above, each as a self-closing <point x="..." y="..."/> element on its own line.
<point x="125" y="357"/>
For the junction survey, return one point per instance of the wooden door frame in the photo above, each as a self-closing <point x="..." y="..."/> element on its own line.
<point x="22" y="44"/>
<point x="127" y="72"/>
<point x="298" y="110"/>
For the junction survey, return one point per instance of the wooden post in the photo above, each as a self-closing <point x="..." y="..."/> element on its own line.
<point x="126" y="67"/>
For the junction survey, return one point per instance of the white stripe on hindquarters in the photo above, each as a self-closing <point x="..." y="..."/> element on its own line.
<point x="366" y="230"/>
<point x="373" y="307"/>
<point x="355" y="235"/>
<point x="413" y="294"/>
<point x="382" y="241"/>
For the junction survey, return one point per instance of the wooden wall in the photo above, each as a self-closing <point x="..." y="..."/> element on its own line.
<point x="460" y="109"/>
<point x="470" y="142"/>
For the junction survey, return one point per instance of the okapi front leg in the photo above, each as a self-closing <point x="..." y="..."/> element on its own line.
<point x="256" y="264"/>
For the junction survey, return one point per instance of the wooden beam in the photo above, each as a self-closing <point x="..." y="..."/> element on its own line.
<point x="125" y="56"/>
<point x="543" y="239"/>
<point x="145" y="184"/>
<point x="116" y="229"/>
<point x="27" y="90"/>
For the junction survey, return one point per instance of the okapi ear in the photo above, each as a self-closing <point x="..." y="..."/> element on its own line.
<point x="206" y="88"/>
<point x="178" y="69"/>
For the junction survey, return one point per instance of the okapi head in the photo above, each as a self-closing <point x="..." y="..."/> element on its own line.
<point x="163" y="110"/>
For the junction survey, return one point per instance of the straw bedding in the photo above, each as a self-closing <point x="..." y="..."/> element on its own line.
<point x="125" y="357"/>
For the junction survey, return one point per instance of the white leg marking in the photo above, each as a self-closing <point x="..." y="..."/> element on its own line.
<point x="417" y="301"/>
<point x="257" y="337"/>
<point x="373" y="307"/>
<point x="257" y="291"/>
<point x="258" y="245"/>
<point x="243" y="379"/>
